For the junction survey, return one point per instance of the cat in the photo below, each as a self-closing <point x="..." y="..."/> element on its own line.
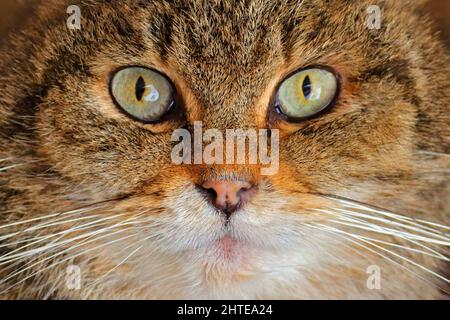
<point x="92" y="207"/>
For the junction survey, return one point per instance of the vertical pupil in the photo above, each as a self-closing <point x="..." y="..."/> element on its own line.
<point x="140" y="88"/>
<point x="307" y="87"/>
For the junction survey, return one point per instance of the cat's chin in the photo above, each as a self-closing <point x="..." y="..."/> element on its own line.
<point x="228" y="251"/>
<point x="226" y="248"/>
<point x="226" y="254"/>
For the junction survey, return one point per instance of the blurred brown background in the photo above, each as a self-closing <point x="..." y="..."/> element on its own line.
<point x="12" y="11"/>
<point x="440" y="9"/>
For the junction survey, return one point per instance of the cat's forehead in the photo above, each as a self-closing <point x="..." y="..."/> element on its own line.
<point x="219" y="45"/>
<point x="212" y="28"/>
<point x="224" y="47"/>
<point x="240" y="32"/>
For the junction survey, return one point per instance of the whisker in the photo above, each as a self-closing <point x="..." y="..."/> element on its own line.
<point x="80" y="210"/>
<point x="358" y="204"/>
<point x="391" y="252"/>
<point x="63" y="233"/>
<point x="59" y="222"/>
<point x="417" y="226"/>
<point x="58" y="263"/>
<point x="394" y="232"/>
<point x="351" y="218"/>
<point x="39" y="226"/>
<point x="119" y="264"/>
<point x="348" y="213"/>
<point x="435" y="254"/>
<point x="438" y="256"/>
<point x="54" y="287"/>
<point x="433" y="172"/>
<point x="66" y="250"/>
<point x="10" y="167"/>
<point x="432" y="153"/>
<point x="92" y="206"/>
<point x="136" y="243"/>
<point x="58" y="244"/>
<point x="342" y="233"/>
<point x="407" y="239"/>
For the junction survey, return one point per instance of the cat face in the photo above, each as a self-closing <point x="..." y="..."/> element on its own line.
<point x="221" y="230"/>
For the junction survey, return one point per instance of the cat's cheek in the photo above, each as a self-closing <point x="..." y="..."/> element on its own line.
<point x="103" y="156"/>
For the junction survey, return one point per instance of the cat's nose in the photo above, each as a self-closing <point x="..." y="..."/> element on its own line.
<point x="228" y="196"/>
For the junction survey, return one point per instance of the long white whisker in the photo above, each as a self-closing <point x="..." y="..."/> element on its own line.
<point x="363" y="222"/>
<point x="356" y="204"/>
<point x="58" y="244"/>
<point x="357" y="223"/>
<point x="415" y="227"/>
<point x="393" y="232"/>
<point x="347" y="216"/>
<point x="438" y="256"/>
<point x="60" y="222"/>
<point x="80" y="210"/>
<point x="38" y="239"/>
<point x="86" y="236"/>
<point x="119" y="264"/>
<point x="64" y="232"/>
<point x="86" y="241"/>
<point x="10" y="167"/>
<point x="350" y="238"/>
<point x="55" y="264"/>
<point x="431" y="153"/>
<point x="388" y="251"/>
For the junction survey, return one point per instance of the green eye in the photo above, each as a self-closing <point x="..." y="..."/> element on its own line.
<point x="306" y="93"/>
<point x="143" y="94"/>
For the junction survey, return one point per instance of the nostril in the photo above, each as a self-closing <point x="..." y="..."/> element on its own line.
<point x="227" y="196"/>
<point x="211" y="193"/>
<point x="245" y="187"/>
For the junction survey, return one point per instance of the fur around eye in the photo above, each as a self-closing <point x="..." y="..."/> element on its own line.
<point x="306" y="93"/>
<point x="143" y="94"/>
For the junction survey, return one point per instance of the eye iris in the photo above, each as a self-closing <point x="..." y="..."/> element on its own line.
<point x="306" y="93"/>
<point x="140" y="88"/>
<point x="307" y="88"/>
<point x="143" y="94"/>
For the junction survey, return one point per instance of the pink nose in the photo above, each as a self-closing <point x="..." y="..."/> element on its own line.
<point x="227" y="196"/>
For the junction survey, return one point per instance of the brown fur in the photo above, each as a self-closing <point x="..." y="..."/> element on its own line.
<point x="73" y="149"/>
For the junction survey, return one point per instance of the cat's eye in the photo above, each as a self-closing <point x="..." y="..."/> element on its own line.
<point x="306" y="93"/>
<point x="144" y="94"/>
